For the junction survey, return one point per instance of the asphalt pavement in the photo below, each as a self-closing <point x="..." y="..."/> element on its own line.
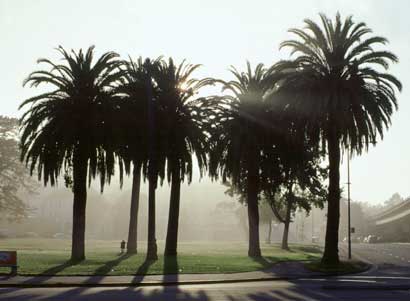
<point x="388" y="259"/>
<point x="303" y="289"/>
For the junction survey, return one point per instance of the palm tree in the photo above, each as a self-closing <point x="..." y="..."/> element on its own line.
<point x="72" y="127"/>
<point x="133" y="146"/>
<point x="155" y="164"/>
<point x="184" y="124"/>
<point x="154" y="168"/>
<point x="242" y="131"/>
<point x="144" y="144"/>
<point x="338" y="84"/>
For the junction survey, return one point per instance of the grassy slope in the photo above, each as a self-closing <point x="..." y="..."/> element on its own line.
<point x="49" y="256"/>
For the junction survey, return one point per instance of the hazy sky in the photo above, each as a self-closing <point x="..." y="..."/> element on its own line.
<point x="213" y="33"/>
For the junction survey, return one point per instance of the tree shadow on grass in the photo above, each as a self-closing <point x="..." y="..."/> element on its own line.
<point x="171" y="269"/>
<point x="310" y="249"/>
<point x="142" y="271"/>
<point x="51" y="272"/>
<point x="109" y="266"/>
<point x="102" y="271"/>
<point x="59" y="268"/>
<point x="144" y="267"/>
<point x="170" y="265"/>
<point x="98" y="275"/>
<point x="263" y="261"/>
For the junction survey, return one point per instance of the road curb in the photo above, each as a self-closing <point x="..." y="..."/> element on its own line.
<point x="373" y="267"/>
<point x="138" y="284"/>
<point x="367" y="269"/>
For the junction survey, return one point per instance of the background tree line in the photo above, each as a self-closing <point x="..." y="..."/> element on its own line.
<point x="15" y="181"/>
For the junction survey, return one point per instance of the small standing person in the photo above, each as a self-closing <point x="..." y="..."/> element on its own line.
<point x="122" y="246"/>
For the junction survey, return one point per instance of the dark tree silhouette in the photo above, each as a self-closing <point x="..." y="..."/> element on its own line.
<point x="242" y="130"/>
<point x="133" y="146"/>
<point x="184" y="124"/>
<point x="143" y="141"/>
<point x="337" y="84"/>
<point x="71" y="127"/>
<point x="156" y="158"/>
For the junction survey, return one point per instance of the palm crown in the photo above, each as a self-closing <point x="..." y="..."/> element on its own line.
<point x="137" y="98"/>
<point x="183" y="119"/>
<point x="336" y="78"/>
<point x="77" y="116"/>
<point x="242" y="123"/>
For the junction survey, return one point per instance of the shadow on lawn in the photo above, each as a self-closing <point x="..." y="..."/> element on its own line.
<point x="263" y="261"/>
<point x="310" y="249"/>
<point x="99" y="273"/>
<point x="51" y="272"/>
<point x="58" y="268"/>
<point x="171" y="269"/>
<point x="170" y="265"/>
<point x="281" y="266"/>
<point x="109" y="266"/>
<point x="144" y="267"/>
<point x="167" y="292"/>
<point x="142" y="271"/>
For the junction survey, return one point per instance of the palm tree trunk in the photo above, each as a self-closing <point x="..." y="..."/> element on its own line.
<point x="285" y="237"/>
<point x="173" y="219"/>
<point x="253" y="211"/>
<point x="331" y="255"/>
<point x="152" y="242"/>
<point x="135" y="198"/>
<point x="79" y="207"/>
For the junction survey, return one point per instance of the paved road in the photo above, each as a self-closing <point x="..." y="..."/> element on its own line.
<point x="274" y="290"/>
<point x="391" y="259"/>
<point x="389" y="281"/>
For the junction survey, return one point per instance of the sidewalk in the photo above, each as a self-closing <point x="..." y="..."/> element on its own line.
<point x="280" y="271"/>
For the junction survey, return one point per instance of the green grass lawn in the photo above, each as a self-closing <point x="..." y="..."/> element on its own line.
<point x="50" y="257"/>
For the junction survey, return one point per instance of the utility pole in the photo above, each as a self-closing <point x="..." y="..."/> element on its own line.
<point x="348" y="204"/>
<point x="313" y="225"/>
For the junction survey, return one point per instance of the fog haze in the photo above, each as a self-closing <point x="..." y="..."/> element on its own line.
<point x="216" y="34"/>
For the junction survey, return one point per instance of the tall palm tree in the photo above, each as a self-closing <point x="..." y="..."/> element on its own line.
<point x="156" y="160"/>
<point x="242" y="131"/>
<point x="142" y="141"/>
<point x="338" y="83"/>
<point x="184" y="124"/>
<point x="154" y="167"/>
<point x="133" y="136"/>
<point x="72" y="127"/>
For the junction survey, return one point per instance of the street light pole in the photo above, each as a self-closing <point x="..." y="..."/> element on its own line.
<point x="313" y="225"/>
<point x="348" y="204"/>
